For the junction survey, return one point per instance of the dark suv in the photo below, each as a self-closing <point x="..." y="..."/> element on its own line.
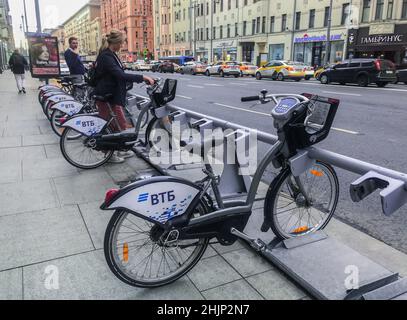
<point x="166" y="66"/>
<point x="361" y="71"/>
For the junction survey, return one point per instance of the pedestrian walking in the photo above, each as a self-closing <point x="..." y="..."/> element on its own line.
<point x="17" y="64"/>
<point x="73" y="60"/>
<point x="111" y="79"/>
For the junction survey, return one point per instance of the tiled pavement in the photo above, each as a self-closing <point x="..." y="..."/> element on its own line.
<point x="50" y="217"/>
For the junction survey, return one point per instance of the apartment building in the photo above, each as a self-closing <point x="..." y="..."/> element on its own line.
<point x="6" y="33"/>
<point x="382" y="31"/>
<point x="135" y="19"/>
<point x="59" y="32"/>
<point x="81" y="25"/>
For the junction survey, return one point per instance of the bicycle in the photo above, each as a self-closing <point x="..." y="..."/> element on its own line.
<point x="88" y="141"/>
<point x="162" y="226"/>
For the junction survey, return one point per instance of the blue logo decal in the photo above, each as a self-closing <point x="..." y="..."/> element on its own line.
<point x="78" y="123"/>
<point x="143" y="197"/>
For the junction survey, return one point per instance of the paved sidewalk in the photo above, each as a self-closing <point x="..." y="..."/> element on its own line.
<point x="49" y="216"/>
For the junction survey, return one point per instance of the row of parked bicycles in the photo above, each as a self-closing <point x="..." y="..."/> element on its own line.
<point x="162" y="226"/>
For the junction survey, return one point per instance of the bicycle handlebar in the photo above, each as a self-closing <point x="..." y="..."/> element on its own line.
<point x="252" y="98"/>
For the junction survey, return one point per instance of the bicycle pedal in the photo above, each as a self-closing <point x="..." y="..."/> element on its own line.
<point x="256" y="244"/>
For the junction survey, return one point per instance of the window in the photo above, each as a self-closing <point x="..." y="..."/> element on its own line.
<point x="221" y="5"/>
<point x="244" y="27"/>
<point x="253" y="26"/>
<point x="390" y="9"/>
<point x="311" y="18"/>
<point x="214" y="33"/>
<point x="263" y="25"/>
<point x="272" y="23"/>
<point x="258" y="25"/>
<point x="404" y="10"/>
<point x="228" y="31"/>
<point x="379" y="10"/>
<point x="236" y="29"/>
<point x="283" y="22"/>
<point x="297" y="20"/>
<point x="326" y="16"/>
<point x="229" y="4"/>
<point x="366" y="10"/>
<point x="345" y="13"/>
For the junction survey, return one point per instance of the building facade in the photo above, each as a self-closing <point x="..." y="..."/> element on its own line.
<point x="135" y="19"/>
<point x="6" y="33"/>
<point x="59" y="32"/>
<point x="82" y="25"/>
<point x="261" y="30"/>
<point x="382" y="32"/>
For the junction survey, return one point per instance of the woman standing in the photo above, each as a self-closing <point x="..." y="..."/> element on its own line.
<point x="17" y="65"/>
<point x="111" y="79"/>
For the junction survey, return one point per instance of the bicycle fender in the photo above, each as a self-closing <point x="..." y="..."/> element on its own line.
<point x="69" y="107"/>
<point x="157" y="199"/>
<point x="87" y="125"/>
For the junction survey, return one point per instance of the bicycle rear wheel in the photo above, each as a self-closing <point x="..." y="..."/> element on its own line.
<point x="79" y="150"/>
<point x="298" y="206"/>
<point x="139" y="255"/>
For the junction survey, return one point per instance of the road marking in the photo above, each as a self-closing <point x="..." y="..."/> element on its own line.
<point x="199" y="87"/>
<point x="269" y="115"/>
<point x="184" y="97"/>
<point x="241" y="109"/>
<point x="343" y="93"/>
<point x="213" y="85"/>
<point x="239" y="84"/>
<point x="345" y="131"/>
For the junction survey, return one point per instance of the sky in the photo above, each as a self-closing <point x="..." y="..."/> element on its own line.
<point x="53" y="13"/>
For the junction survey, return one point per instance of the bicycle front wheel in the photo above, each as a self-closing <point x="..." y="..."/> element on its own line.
<point x="298" y="206"/>
<point x="139" y="254"/>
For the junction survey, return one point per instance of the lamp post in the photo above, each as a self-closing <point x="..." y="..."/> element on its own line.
<point x="328" y="36"/>
<point x="25" y="15"/>
<point x="38" y="16"/>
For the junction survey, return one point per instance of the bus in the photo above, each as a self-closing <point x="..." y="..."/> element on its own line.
<point x="179" y="60"/>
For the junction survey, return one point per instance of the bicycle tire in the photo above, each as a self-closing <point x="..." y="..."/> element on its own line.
<point x="117" y="270"/>
<point x="108" y="153"/>
<point x="272" y="199"/>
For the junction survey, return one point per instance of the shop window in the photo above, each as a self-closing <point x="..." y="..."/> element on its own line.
<point x="276" y="52"/>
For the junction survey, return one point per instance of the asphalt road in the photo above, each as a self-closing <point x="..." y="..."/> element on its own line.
<point x="370" y="125"/>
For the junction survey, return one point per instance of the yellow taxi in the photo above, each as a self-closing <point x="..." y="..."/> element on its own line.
<point x="281" y="70"/>
<point x="247" y="69"/>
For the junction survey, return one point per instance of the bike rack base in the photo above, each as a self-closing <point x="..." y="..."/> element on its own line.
<point x="321" y="265"/>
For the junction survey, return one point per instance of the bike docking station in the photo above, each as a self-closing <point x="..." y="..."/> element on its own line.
<point x="316" y="262"/>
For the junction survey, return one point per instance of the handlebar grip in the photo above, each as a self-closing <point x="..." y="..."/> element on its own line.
<point x="252" y="98"/>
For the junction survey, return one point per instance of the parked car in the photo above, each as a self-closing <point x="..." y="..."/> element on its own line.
<point x="401" y="76"/>
<point x="281" y="70"/>
<point x="141" y="65"/>
<point x="309" y="71"/>
<point x="166" y="66"/>
<point x="64" y="70"/>
<point x="247" y="69"/>
<point x="361" y="71"/>
<point x="224" y="68"/>
<point x="193" y="68"/>
<point x="177" y="67"/>
<point x="155" y="65"/>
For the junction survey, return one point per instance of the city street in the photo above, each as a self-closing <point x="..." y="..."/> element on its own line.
<point x="370" y="125"/>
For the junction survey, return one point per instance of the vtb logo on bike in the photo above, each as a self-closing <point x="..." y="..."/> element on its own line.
<point x="158" y="198"/>
<point x="85" y="124"/>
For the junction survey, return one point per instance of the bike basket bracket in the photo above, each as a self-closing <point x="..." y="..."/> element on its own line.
<point x="300" y="163"/>
<point x="393" y="194"/>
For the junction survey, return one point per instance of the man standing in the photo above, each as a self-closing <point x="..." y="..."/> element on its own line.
<point x="17" y="65"/>
<point x="73" y="60"/>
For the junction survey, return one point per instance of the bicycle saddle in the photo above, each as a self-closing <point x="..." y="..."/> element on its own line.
<point x="104" y="98"/>
<point x="80" y="85"/>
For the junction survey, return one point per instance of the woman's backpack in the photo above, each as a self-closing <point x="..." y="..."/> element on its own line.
<point x="92" y="75"/>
